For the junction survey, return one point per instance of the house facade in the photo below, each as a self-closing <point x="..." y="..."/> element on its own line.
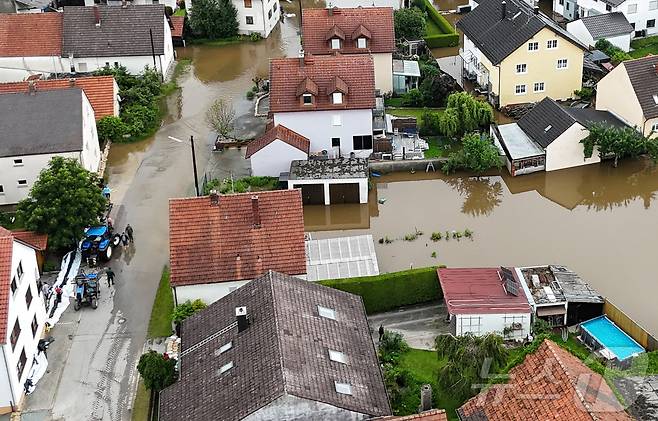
<point x="21" y="320"/>
<point x="541" y="60"/>
<point x="254" y="16"/>
<point x="326" y="99"/>
<point x="272" y="153"/>
<point x="360" y="30"/>
<point x="28" y="148"/>
<point x="630" y="92"/>
<point x="612" y="27"/>
<point x="641" y="14"/>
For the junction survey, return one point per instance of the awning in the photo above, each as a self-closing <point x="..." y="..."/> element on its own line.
<point x="551" y="311"/>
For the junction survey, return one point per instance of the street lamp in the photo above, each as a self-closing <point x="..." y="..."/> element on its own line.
<point x="196" y="179"/>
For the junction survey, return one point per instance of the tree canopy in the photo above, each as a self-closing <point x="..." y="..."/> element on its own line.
<point x="188" y="308"/>
<point x="214" y="19"/>
<point x="157" y="371"/>
<point x="436" y="87"/>
<point x="478" y="154"/>
<point x="618" y="142"/>
<point x="64" y="200"/>
<point x="220" y="117"/>
<point x="409" y="23"/>
<point x="464" y="114"/>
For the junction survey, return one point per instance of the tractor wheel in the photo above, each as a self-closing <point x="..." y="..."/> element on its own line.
<point x="94" y="303"/>
<point x="107" y="254"/>
<point x="76" y="306"/>
<point x="116" y="240"/>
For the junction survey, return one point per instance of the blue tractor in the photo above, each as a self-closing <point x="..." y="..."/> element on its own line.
<point x="86" y="291"/>
<point x="98" y="243"/>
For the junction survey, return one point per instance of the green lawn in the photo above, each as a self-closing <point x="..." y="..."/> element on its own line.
<point x="180" y="12"/>
<point x="163" y="306"/>
<point x="393" y="102"/>
<point x="645" y="46"/>
<point x="439" y="146"/>
<point x="411" y="112"/>
<point x="140" y="410"/>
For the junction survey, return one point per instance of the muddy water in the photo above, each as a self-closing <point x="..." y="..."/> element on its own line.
<point x="600" y="221"/>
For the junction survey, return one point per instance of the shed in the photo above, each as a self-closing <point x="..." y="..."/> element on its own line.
<point x="343" y="257"/>
<point x="406" y="74"/>
<point x="330" y="181"/>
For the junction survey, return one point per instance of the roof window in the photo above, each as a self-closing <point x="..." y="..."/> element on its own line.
<point x="655" y="99"/>
<point x="327" y="313"/>
<point x="225" y="347"/>
<point x="549" y="127"/>
<point x="343" y="388"/>
<point x="226" y="367"/>
<point x="337" y="356"/>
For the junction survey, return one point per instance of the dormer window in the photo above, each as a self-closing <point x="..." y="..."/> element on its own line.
<point x="361" y="43"/>
<point x="308" y="99"/>
<point x="337" y="97"/>
<point x="335" y="43"/>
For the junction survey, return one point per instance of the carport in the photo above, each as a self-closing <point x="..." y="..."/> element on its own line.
<point x="330" y="181"/>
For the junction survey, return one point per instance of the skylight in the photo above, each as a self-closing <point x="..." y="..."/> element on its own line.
<point x="226" y="367"/>
<point x="549" y="127"/>
<point x="655" y="99"/>
<point x="327" y="313"/>
<point x="226" y="347"/>
<point x="343" y="388"/>
<point x="337" y="356"/>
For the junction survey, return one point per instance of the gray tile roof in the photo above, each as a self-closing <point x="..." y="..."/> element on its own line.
<point x="332" y="169"/>
<point x="607" y="25"/>
<point x="284" y="351"/>
<point x="123" y="32"/>
<point x="644" y="78"/>
<point x="497" y="38"/>
<point x="548" y="120"/>
<point x="42" y="123"/>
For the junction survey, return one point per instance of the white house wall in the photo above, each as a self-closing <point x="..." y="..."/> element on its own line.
<point x="566" y="151"/>
<point x="596" y="7"/>
<point x="483" y="324"/>
<point x="208" y="293"/>
<point x="90" y="157"/>
<point x="383" y="63"/>
<point x="318" y="127"/>
<point x="274" y="159"/>
<point x="292" y="408"/>
<point x="577" y="28"/>
<point x="263" y="24"/>
<point x="362" y="182"/>
<point x="17" y="69"/>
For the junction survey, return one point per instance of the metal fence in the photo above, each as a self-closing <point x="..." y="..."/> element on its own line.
<point x="629" y="326"/>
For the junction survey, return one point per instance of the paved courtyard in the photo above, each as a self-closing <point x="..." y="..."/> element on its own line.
<point x="418" y="324"/>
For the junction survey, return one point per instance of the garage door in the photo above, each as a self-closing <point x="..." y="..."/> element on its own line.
<point x="312" y="194"/>
<point x="344" y="193"/>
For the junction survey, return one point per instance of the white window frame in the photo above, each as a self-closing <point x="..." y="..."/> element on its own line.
<point x="18" y="162"/>
<point x="2" y="190"/>
<point x="246" y="19"/>
<point x="327" y="313"/>
<point x="632" y="9"/>
<point x="337" y="98"/>
<point x="551" y="44"/>
<point x="543" y="87"/>
<point x="335" y="43"/>
<point x="654" y="128"/>
<point x="566" y="64"/>
<point x="336" y="120"/>
<point x="337" y="356"/>
<point x="653" y="5"/>
<point x="520" y="89"/>
<point x="521" y="69"/>
<point x="343" y="388"/>
<point x="535" y="43"/>
<point x="82" y="67"/>
<point x="226" y="367"/>
<point x="361" y="43"/>
<point x="18" y="182"/>
<point x="225" y="347"/>
<point x="304" y="96"/>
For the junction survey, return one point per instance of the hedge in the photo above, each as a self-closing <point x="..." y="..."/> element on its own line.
<point x="392" y="290"/>
<point x="449" y="37"/>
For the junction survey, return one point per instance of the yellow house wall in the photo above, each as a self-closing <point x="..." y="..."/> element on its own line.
<point x="383" y="72"/>
<point x="559" y="84"/>
<point x="494" y="73"/>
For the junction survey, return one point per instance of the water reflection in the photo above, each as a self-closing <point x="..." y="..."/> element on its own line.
<point x="481" y="195"/>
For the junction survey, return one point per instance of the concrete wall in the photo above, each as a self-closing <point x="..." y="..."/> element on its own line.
<point x="615" y="93"/>
<point x="274" y="159"/>
<point x="16" y="69"/>
<point x="362" y="182"/>
<point x="260" y="10"/>
<point x="566" y="151"/>
<point x="559" y="84"/>
<point x="319" y="128"/>
<point x="292" y="408"/>
<point x="577" y="28"/>
<point x="6" y="393"/>
<point x="383" y="72"/>
<point x="492" y="323"/>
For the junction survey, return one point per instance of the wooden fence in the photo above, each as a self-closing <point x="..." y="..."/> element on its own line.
<point x="629" y="326"/>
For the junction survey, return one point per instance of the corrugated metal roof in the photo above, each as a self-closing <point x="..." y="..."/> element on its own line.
<point x="344" y="257"/>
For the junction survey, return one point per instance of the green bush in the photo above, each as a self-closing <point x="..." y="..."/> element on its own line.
<point x="185" y="310"/>
<point x="585" y="94"/>
<point x="413" y="98"/>
<point x="110" y="128"/>
<point x="139" y="119"/>
<point x="392" y="290"/>
<point x="250" y="95"/>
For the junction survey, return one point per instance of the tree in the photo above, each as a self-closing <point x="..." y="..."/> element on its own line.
<point x="64" y="200"/>
<point x="478" y="154"/>
<point x="409" y="24"/>
<point x="618" y="142"/>
<point x="157" y="371"/>
<point x="185" y="310"/>
<point x="214" y="19"/>
<point x="110" y="129"/>
<point x="467" y="113"/>
<point x="413" y="98"/>
<point x="220" y="117"/>
<point x="435" y="88"/>
<point x="470" y="361"/>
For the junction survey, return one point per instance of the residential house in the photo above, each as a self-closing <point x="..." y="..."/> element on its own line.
<point x="431" y="415"/>
<point x="641" y="14"/>
<point x="254" y="16"/>
<point x="550" y="383"/>
<point x="549" y="137"/>
<point x="220" y="243"/>
<point x="328" y="100"/>
<point x="39" y="242"/>
<point x="518" y="54"/>
<point x="559" y="296"/>
<point x="102" y="91"/>
<point x="22" y="317"/>
<point x="98" y="36"/>
<point x="360" y="30"/>
<point x="272" y="153"/>
<point x="278" y="348"/>
<point x="612" y="27"/>
<point x="330" y="181"/>
<point x="170" y="3"/>
<point x="30" y="44"/>
<point x="26" y="149"/>
<point x="630" y="92"/>
<point x="485" y="300"/>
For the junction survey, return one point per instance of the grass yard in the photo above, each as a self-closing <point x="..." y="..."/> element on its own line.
<point x="180" y="12"/>
<point x="163" y="306"/>
<point x="643" y="47"/>
<point x="439" y="146"/>
<point x="140" y="411"/>
<point x="411" y="112"/>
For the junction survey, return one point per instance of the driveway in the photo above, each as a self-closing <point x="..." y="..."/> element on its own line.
<point x="418" y="324"/>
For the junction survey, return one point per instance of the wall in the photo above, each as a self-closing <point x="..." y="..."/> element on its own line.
<point x="134" y="64"/>
<point x="318" y="127"/>
<point x="566" y="151"/>
<point x="274" y="159"/>
<point x="615" y="93"/>
<point x="208" y="293"/>
<point x="259" y="10"/>
<point x="541" y="67"/>
<point x="90" y="157"/>
<point x="292" y="408"/>
<point x="6" y="394"/>
<point x="578" y="29"/>
<point x="383" y="72"/>
<point x="629" y="326"/>
<point x="362" y="182"/>
<point x="170" y="3"/>
<point x="494" y="323"/>
<point x="26" y="66"/>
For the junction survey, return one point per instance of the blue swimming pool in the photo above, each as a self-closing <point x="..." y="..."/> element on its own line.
<point x="609" y="336"/>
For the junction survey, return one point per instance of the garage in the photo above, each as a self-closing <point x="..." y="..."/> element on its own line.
<point x="330" y="181"/>
<point x="344" y="193"/>
<point x="312" y="194"/>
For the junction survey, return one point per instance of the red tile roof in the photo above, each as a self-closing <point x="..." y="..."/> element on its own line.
<point x="6" y="250"/>
<point x="431" y="415"/>
<point x="355" y="71"/>
<point x="479" y="291"/>
<point x="100" y="90"/>
<point x="282" y="133"/>
<point x="31" y="35"/>
<point x="211" y="243"/>
<point x="318" y="27"/>
<point x="35" y="240"/>
<point x="551" y="384"/>
<point x="178" y="22"/>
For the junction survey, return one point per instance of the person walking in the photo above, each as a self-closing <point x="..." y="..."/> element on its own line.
<point x="110" y="277"/>
<point x="124" y="239"/>
<point x="58" y="296"/>
<point x="129" y="231"/>
<point x="381" y="332"/>
<point x="45" y="289"/>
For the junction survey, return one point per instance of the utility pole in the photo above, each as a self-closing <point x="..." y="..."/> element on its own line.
<point x="155" y="65"/>
<point x="196" y="179"/>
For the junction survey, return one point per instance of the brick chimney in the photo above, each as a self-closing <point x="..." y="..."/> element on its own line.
<point x="503" y="10"/>
<point x="97" y="17"/>
<point x="242" y="318"/>
<point x="214" y="198"/>
<point x="255" y="211"/>
<point x="32" y="87"/>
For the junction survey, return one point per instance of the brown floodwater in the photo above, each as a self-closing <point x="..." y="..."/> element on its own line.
<point x="600" y="221"/>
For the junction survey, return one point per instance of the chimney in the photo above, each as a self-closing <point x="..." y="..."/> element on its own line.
<point x="241" y="318"/>
<point x="124" y="4"/>
<point x="330" y="10"/>
<point x="425" y="398"/>
<point x="503" y="10"/>
<point x="214" y="198"/>
<point x="255" y="211"/>
<point x="536" y="9"/>
<point x="72" y="82"/>
<point x="97" y="17"/>
<point x="31" y="87"/>
<point x="301" y="57"/>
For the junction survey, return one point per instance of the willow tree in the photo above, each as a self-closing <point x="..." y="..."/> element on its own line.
<point x="618" y="142"/>
<point x="466" y="113"/>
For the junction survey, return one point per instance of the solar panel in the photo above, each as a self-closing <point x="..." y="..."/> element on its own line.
<point x="510" y="282"/>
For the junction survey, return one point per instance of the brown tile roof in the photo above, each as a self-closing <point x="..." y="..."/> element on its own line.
<point x="318" y="26"/>
<point x="282" y="133"/>
<point x="100" y="90"/>
<point x="431" y="415"/>
<point x="356" y="71"/>
<point x="211" y="243"/>
<point x="31" y="35"/>
<point x="644" y="79"/>
<point x="178" y="22"/>
<point x="283" y="352"/>
<point x="35" y="240"/>
<point x="550" y="384"/>
<point x="6" y="250"/>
